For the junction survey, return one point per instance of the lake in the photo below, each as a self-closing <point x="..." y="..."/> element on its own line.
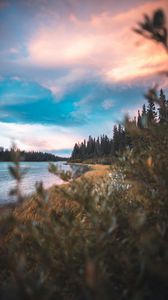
<point x="36" y="171"/>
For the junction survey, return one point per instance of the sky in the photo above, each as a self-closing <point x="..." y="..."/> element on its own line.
<point x="73" y="68"/>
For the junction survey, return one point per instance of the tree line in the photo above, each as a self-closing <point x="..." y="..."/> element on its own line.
<point x="29" y="156"/>
<point x="103" y="146"/>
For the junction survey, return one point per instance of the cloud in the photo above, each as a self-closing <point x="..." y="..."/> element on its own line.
<point x="38" y="137"/>
<point x="15" y="91"/>
<point x="29" y="102"/>
<point x="13" y="50"/>
<point x="107" y="104"/>
<point x="3" y="4"/>
<point x="89" y="40"/>
<point x="61" y="85"/>
<point x="103" y="41"/>
<point x="52" y="48"/>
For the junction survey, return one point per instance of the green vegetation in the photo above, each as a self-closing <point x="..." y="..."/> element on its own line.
<point x="95" y="239"/>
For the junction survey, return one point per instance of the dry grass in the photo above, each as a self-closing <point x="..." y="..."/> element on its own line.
<point x="96" y="172"/>
<point x="57" y="198"/>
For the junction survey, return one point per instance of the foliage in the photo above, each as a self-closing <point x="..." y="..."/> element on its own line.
<point x="152" y="116"/>
<point x="64" y="175"/>
<point x="17" y="173"/>
<point x="154" y="27"/>
<point x="76" y="171"/>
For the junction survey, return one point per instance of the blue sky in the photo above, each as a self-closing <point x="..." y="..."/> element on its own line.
<point x="70" y="68"/>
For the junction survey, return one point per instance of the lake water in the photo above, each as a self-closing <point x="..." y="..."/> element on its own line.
<point x="36" y="171"/>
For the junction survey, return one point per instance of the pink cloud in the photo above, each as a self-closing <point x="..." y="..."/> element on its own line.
<point x="13" y="50"/>
<point x="33" y="137"/>
<point x="61" y="85"/>
<point x="105" y="42"/>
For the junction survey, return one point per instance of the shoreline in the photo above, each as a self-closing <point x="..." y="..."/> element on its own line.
<point x="58" y="198"/>
<point x="94" y="172"/>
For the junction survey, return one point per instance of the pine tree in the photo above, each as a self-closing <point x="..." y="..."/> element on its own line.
<point x="163" y="109"/>
<point x="139" y="121"/>
<point x="151" y="112"/>
<point x="115" y="139"/>
<point x="75" y="152"/>
<point x="144" y="118"/>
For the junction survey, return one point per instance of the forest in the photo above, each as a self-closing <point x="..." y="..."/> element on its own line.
<point x="155" y="113"/>
<point x="6" y="155"/>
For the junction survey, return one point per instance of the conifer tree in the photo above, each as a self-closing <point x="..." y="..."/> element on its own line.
<point x="144" y="119"/>
<point x="139" y="121"/>
<point x="163" y="109"/>
<point x="151" y="112"/>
